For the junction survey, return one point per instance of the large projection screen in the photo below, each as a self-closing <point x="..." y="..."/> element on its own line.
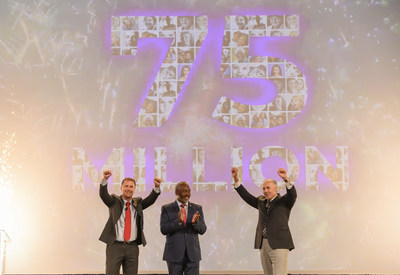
<point x="184" y="90"/>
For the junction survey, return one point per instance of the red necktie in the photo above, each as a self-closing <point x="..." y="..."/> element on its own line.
<point x="127" y="229"/>
<point x="184" y="213"/>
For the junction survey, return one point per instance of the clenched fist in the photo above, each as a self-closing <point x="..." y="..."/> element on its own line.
<point x="235" y="174"/>
<point x="282" y="173"/>
<point x="106" y="174"/>
<point x="157" y="182"/>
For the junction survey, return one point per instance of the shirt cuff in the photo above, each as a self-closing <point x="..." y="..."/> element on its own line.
<point x="157" y="189"/>
<point x="103" y="182"/>
<point x="237" y="184"/>
<point x="288" y="184"/>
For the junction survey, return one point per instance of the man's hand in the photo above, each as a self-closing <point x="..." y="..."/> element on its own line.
<point x="106" y="174"/>
<point x="196" y="217"/>
<point x="235" y="174"/>
<point x="181" y="215"/>
<point x="282" y="173"/>
<point x="157" y="182"/>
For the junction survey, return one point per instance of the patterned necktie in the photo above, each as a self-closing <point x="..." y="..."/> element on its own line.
<point x="127" y="229"/>
<point x="267" y="206"/>
<point x="184" y="213"/>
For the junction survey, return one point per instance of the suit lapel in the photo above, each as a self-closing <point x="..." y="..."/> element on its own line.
<point x="175" y="207"/>
<point x="273" y="203"/>
<point x="117" y="209"/>
<point x="134" y="203"/>
<point x="263" y="208"/>
<point x="121" y="203"/>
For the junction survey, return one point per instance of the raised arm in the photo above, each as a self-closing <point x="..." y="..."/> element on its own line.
<point x="290" y="190"/>
<point x="243" y="193"/>
<point x="152" y="197"/>
<point x="103" y="191"/>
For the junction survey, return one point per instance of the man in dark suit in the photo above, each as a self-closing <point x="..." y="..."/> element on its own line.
<point x="182" y="221"/>
<point x="123" y="232"/>
<point x="273" y="236"/>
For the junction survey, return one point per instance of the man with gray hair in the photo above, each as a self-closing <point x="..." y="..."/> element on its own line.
<point x="273" y="237"/>
<point x="182" y="222"/>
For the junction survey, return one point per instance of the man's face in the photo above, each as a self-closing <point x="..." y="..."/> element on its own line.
<point x="201" y="21"/>
<point x="240" y="71"/>
<point x="275" y="21"/>
<point x="292" y="85"/>
<point x="148" y="21"/>
<point x="240" y="21"/>
<point x="291" y="21"/>
<point x="241" y="40"/>
<point x="185" y="22"/>
<point x="183" y="193"/>
<point x="270" y="189"/>
<point x="128" y="189"/>
<point x="165" y="105"/>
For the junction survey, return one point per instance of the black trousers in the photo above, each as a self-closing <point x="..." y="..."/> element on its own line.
<point x="184" y="267"/>
<point x="125" y="255"/>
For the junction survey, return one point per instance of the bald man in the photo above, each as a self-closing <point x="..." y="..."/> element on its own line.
<point x="273" y="237"/>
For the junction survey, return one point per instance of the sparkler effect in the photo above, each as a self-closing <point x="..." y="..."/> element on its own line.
<point x="6" y="178"/>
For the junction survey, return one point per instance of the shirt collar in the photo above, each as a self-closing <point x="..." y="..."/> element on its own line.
<point x="274" y="198"/>
<point x="125" y="201"/>
<point x="180" y="203"/>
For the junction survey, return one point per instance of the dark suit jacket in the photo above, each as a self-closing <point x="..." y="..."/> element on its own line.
<point x="179" y="237"/>
<point x="278" y="232"/>
<point x="115" y="205"/>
